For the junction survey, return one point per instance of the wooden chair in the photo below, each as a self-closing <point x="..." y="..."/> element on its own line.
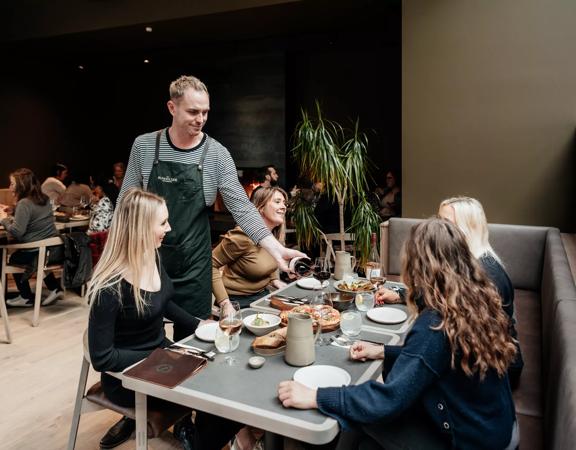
<point x="349" y="242"/>
<point x="4" y="313"/>
<point x="95" y="400"/>
<point x="41" y="268"/>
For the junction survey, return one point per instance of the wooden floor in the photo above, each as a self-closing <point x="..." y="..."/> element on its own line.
<point x="39" y="375"/>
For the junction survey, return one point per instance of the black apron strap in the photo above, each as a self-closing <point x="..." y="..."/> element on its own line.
<point x="157" y="149"/>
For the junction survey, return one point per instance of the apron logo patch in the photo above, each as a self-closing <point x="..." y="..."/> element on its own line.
<point x="168" y="179"/>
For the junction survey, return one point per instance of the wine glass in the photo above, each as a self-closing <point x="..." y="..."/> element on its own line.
<point x="375" y="274"/>
<point x="322" y="267"/>
<point x="228" y="331"/>
<point x="350" y="324"/>
<point x="318" y="302"/>
<point x="84" y="201"/>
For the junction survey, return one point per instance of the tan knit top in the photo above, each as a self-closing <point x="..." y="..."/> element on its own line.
<point x="248" y="268"/>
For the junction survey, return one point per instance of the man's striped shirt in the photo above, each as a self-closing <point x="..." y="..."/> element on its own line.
<point x="218" y="174"/>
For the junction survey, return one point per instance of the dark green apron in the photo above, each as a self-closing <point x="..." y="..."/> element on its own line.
<point x="186" y="250"/>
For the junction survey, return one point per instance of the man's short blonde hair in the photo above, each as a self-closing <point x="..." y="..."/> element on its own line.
<point x="179" y="86"/>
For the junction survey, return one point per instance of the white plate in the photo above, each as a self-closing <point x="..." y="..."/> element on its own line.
<point x="78" y="218"/>
<point x="309" y="283"/>
<point x="207" y="332"/>
<point x="387" y="315"/>
<point x="322" y="376"/>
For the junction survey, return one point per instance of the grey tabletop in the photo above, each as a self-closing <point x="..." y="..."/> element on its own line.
<point x="294" y="290"/>
<point x="250" y="395"/>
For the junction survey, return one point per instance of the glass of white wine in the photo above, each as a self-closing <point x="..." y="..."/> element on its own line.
<point x="228" y="332"/>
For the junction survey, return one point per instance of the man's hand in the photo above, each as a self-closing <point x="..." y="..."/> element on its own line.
<point x="280" y="253"/>
<point x="295" y="395"/>
<point x="384" y="295"/>
<point x="362" y="351"/>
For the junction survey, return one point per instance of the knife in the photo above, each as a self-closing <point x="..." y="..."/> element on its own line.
<point x="208" y="354"/>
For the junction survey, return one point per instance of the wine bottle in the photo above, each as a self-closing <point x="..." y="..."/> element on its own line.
<point x="373" y="266"/>
<point x="300" y="265"/>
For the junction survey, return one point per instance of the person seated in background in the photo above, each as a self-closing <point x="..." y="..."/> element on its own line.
<point x="247" y="268"/>
<point x="390" y="197"/>
<point x="130" y="294"/>
<point x="468" y="214"/>
<point x="54" y="186"/>
<point x="78" y="194"/>
<point x="102" y="209"/>
<point x="33" y="221"/>
<point x="267" y="177"/>
<point x="118" y="171"/>
<point x="447" y="386"/>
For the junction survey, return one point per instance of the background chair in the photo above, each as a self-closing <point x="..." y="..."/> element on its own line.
<point x="334" y="239"/>
<point x="4" y="313"/>
<point x="95" y="400"/>
<point x="41" y="267"/>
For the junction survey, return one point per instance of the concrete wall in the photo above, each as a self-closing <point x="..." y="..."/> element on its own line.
<point x="489" y="107"/>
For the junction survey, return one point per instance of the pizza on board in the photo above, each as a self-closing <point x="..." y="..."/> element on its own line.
<point x="325" y="315"/>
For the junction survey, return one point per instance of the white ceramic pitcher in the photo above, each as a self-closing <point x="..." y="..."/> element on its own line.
<point x="344" y="264"/>
<point x="300" y="340"/>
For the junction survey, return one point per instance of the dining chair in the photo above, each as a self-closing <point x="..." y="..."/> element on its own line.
<point x="349" y="242"/>
<point x="41" y="268"/>
<point x="94" y="399"/>
<point x="4" y="313"/>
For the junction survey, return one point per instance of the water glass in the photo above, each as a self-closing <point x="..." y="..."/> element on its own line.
<point x="364" y="301"/>
<point x="351" y="324"/>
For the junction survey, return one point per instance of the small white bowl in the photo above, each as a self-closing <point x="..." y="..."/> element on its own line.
<point x="260" y="330"/>
<point x="256" y="362"/>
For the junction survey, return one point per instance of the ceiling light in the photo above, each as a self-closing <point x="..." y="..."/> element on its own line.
<point x="148" y="29"/>
<point x="146" y="61"/>
<point x="81" y="67"/>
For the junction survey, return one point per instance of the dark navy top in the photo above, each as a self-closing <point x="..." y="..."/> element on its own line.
<point x="470" y="413"/>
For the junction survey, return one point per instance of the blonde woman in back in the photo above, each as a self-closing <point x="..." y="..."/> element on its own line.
<point x="468" y="214"/>
<point x="130" y="295"/>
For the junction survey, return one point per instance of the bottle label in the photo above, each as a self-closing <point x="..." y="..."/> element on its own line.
<point x="372" y="272"/>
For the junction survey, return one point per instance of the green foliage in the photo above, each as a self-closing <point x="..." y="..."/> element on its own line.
<point x="365" y="221"/>
<point x="305" y="222"/>
<point x="327" y="152"/>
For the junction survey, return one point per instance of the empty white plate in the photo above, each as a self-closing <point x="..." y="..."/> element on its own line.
<point x="309" y="283"/>
<point x="387" y="315"/>
<point x="207" y="332"/>
<point x="322" y="376"/>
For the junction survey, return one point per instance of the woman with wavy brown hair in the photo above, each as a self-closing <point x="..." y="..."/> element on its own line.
<point x="447" y="386"/>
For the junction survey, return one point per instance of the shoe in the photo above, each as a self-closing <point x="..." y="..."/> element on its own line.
<point x="52" y="297"/>
<point x="184" y="431"/>
<point x="20" y="302"/>
<point x="120" y="432"/>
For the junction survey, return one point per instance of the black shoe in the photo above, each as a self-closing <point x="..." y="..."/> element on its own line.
<point x="184" y="431"/>
<point x="120" y="432"/>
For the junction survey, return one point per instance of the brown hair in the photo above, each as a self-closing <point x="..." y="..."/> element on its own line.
<point x="28" y="186"/>
<point x="443" y="275"/>
<point x="261" y="197"/>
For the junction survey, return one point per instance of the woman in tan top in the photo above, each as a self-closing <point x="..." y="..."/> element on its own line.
<point x="247" y="268"/>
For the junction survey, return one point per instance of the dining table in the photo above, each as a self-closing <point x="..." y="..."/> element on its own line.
<point x="249" y="396"/>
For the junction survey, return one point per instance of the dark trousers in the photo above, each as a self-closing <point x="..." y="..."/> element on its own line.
<point x="29" y="260"/>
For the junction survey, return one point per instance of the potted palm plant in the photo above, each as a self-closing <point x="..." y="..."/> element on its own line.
<point x="326" y="151"/>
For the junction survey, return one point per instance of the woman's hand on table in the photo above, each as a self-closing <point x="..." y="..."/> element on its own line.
<point x="278" y="284"/>
<point x="384" y="295"/>
<point x="295" y="395"/>
<point x="361" y="351"/>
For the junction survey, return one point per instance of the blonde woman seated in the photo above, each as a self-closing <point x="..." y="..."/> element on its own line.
<point x="130" y="294"/>
<point x="447" y="387"/>
<point x="247" y="268"/>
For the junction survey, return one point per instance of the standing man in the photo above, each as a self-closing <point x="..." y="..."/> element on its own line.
<point x="267" y="177"/>
<point x="187" y="167"/>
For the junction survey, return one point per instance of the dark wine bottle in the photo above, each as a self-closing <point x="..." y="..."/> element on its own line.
<point x="300" y="266"/>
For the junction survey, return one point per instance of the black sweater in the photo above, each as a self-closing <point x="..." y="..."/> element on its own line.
<point x="118" y="337"/>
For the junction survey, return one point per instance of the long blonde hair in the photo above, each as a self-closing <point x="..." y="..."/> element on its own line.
<point x="442" y="274"/>
<point x="261" y="197"/>
<point x="129" y="247"/>
<point x="471" y="220"/>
